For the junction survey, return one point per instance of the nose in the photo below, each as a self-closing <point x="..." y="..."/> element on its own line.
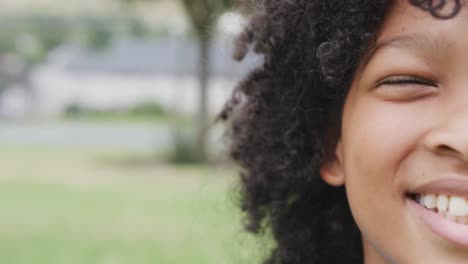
<point x="450" y="137"/>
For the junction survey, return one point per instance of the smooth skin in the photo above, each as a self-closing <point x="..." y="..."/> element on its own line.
<point x="405" y="123"/>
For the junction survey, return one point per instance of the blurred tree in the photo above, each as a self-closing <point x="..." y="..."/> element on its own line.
<point x="203" y="15"/>
<point x="27" y="39"/>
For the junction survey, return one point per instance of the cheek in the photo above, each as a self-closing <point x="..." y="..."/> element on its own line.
<point x="373" y="144"/>
<point x="376" y="138"/>
<point x="377" y="135"/>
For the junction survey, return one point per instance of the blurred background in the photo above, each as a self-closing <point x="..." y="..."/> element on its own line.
<point x="109" y="152"/>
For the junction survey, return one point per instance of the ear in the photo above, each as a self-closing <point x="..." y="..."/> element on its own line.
<point x="332" y="170"/>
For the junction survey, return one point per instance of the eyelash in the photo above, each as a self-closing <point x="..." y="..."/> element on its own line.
<point x="396" y="80"/>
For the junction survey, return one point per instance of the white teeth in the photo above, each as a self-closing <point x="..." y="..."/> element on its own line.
<point x="457" y="206"/>
<point x="430" y="201"/>
<point x="454" y="208"/>
<point x="442" y="202"/>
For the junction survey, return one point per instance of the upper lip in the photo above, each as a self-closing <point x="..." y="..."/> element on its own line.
<point x="452" y="187"/>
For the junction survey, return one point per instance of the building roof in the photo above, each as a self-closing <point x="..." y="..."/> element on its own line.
<point x="168" y="56"/>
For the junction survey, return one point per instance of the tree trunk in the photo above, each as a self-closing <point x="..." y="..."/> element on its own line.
<point x="203" y="76"/>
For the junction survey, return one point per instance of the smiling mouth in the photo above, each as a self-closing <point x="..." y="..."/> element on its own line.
<point x="453" y="208"/>
<point x="445" y="215"/>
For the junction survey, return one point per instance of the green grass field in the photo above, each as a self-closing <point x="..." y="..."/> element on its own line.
<point x="88" y="206"/>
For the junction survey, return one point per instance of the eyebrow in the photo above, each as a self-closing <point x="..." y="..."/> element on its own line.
<point x="414" y="41"/>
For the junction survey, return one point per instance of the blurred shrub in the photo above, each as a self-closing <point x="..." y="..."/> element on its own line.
<point x="74" y="110"/>
<point x="148" y="109"/>
<point x="183" y="148"/>
<point x="145" y="110"/>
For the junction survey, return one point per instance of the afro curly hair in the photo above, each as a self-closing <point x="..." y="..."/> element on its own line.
<point x="284" y="120"/>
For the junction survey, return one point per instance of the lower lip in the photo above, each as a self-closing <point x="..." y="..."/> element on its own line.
<point x="451" y="231"/>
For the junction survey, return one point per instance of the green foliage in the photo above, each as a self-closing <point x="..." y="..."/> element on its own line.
<point x="145" y="110"/>
<point x="95" y="33"/>
<point x="149" y="108"/>
<point x="137" y="29"/>
<point x="183" y="148"/>
<point x="204" y="13"/>
<point x="45" y="32"/>
<point x="74" y="110"/>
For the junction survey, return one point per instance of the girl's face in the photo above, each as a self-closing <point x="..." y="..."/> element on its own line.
<point x="405" y="133"/>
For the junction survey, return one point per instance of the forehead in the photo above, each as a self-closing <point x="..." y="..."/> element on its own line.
<point x="413" y="29"/>
<point x="405" y="18"/>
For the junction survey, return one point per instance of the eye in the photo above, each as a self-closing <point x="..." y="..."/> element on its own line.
<point x="405" y="80"/>
<point x="405" y="88"/>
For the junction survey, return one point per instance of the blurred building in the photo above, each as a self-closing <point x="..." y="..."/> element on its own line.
<point x="129" y="72"/>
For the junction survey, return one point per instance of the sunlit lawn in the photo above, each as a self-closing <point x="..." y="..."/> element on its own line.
<point x="88" y="206"/>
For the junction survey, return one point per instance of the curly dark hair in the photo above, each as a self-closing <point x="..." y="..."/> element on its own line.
<point x="284" y="120"/>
